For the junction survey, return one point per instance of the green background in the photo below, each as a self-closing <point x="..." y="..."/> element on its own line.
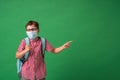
<point x="92" y="25"/>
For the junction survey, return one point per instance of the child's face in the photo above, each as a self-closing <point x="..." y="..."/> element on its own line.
<point x="32" y="28"/>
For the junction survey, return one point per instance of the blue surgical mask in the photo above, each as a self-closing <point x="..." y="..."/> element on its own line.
<point x="32" y="34"/>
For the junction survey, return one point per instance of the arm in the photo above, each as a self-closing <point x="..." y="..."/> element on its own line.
<point x="61" y="48"/>
<point x="22" y="53"/>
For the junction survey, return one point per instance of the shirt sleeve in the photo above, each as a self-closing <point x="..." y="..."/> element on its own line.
<point x="48" y="47"/>
<point x="21" y="46"/>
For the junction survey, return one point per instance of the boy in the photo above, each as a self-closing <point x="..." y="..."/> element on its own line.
<point x="34" y="67"/>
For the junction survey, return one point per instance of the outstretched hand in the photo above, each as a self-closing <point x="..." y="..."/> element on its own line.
<point x="64" y="46"/>
<point x="67" y="44"/>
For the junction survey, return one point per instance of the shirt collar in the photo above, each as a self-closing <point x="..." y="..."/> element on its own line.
<point x="34" y="40"/>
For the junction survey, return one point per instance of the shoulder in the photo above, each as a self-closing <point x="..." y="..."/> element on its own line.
<point x="22" y="41"/>
<point x="42" y="38"/>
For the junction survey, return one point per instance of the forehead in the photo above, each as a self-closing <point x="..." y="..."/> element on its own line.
<point x="31" y="26"/>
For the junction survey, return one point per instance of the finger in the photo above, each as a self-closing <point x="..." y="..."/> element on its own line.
<point x="69" y="42"/>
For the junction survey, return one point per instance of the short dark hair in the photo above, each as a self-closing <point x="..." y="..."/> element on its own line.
<point x="31" y="22"/>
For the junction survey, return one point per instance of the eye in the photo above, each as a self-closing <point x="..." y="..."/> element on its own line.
<point x="33" y="29"/>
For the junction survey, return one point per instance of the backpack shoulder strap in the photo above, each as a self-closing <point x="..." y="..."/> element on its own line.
<point x="27" y="41"/>
<point x="20" y="61"/>
<point x="43" y="45"/>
